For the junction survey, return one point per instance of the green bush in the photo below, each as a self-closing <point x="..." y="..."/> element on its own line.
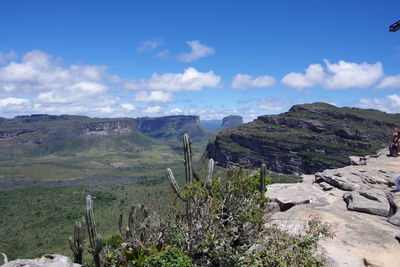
<point x="170" y="257"/>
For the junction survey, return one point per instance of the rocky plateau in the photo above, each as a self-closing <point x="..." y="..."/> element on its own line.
<point x="360" y="204"/>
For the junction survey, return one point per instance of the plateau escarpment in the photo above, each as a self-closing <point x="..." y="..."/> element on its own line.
<point x="41" y="134"/>
<point x="231" y="121"/>
<point x="306" y="139"/>
<point x="173" y="127"/>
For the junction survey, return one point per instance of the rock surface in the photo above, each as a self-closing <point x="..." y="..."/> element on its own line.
<point x="47" y="260"/>
<point x="361" y="206"/>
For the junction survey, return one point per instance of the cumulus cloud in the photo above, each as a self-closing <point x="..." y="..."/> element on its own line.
<point x="314" y="75"/>
<point x="389" y="103"/>
<point x="244" y="81"/>
<point x="12" y="101"/>
<point x="153" y="96"/>
<point x="392" y="82"/>
<point x="55" y="88"/>
<point x="149" y="45"/>
<point x="338" y="76"/>
<point x="198" y="50"/>
<point x="128" y="107"/>
<point x="175" y="111"/>
<point x="346" y="75"/>
<point x="152" y="110"/>
<point x="4" y="57"/>
<point x="272" y="104"/>
<point x="37" y="72"/>
<point x="189" y="80"/>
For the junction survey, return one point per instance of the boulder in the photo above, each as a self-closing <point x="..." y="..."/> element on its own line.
<point x="47" y="260"/>
<point x="289" y="195"/>
<point x="372" y="202"/>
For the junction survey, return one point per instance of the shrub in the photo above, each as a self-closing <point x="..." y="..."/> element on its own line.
<point x="170" y="257"/>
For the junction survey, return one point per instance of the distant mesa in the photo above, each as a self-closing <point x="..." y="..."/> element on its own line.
<point x="225" y="123"/>
<point x="43" y="134"/>
<point x="231" y="121"/>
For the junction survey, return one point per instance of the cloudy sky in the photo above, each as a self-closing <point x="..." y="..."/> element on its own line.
<point x="210" y="58"/>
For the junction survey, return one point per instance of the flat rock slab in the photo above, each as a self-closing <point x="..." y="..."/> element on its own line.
<point x="289" y="195"/>
<point x="47" y="260"/>
<point x="368" y="201"/>
<point x="357" y="177"/>
<point x="358" y="236"/>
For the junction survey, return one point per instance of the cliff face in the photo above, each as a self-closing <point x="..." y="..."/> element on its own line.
<point x="173" y="127"/>
<point x="306" y="139"/>
<point x="42" y="134"/>
<point x="231" y="121"/>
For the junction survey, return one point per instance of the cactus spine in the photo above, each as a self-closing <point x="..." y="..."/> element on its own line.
<point x="76" y="243"/>
<point x="95" y="239"/>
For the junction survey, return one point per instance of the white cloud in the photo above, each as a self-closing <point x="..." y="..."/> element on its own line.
<point x="347" y="75"/>
<point x="4" y="57"/>
<point x="149" y="45"/>
<point x="198" y="51"/>
<point x="390" y="82"/>
<point x="12" y="101"/>
<point x="389" y="103"/>
<point x="152" y="110"/>
<point x="314" y="75"/>
<point x="128" y="107"/>
<point x="154" y="96"/>
<point x="272" y="104"/>
<point x="189" y="80"/>
<point x="163" y="54"/>
<point x="37" y="72"/>
<point x="243" y="81"/>
<point x="338" y="76"/>
<point x="176" y="111"/>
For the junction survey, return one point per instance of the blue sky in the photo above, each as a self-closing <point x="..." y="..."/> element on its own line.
<point x="211" y="58"/>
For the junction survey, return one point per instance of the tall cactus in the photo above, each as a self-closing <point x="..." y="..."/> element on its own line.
<point x="95" y="239"/>
<point x="263" y="176"/>
<point x="138" y="224"/>
<point x="76" y="243"/>
<point x="189" y="171"/>
<point x="189" y="175"/>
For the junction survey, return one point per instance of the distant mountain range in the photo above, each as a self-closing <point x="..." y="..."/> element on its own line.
<point x="42" y="134"/>
<point x="306" y="139"/>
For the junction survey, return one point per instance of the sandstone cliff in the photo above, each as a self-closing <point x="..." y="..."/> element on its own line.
<point x="306" y="139"/>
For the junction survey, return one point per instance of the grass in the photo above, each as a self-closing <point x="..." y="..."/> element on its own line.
<point x="38" y="220"/>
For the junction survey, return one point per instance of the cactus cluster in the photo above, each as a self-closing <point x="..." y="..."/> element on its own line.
<point x="76" y="243"/>
<point x="95" y="240"/>
<point x="138" y="224"/>
<point x="189" y="172"/>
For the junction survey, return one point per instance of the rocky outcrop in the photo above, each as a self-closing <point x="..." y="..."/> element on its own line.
<point x="306" y="139"/>
<point x="47" y="260"/>
<point x="360" y="204"/>
<point x="14" y="133"/>
<point x="108" y="128"/>
<point x="231" y="121"/>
